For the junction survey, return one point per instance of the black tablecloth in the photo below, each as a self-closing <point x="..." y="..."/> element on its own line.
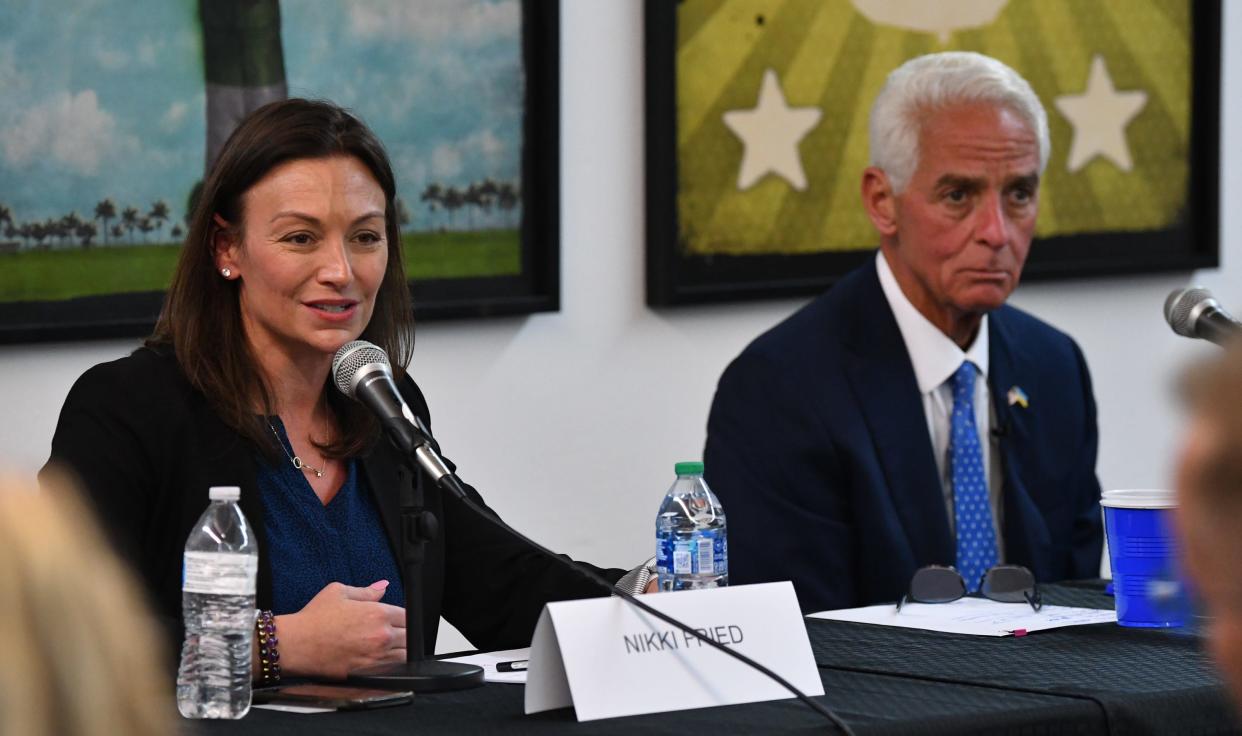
<point x="1101" y="679"/>
<point x="871" y="704"/>
<point x="1146" y="680"/>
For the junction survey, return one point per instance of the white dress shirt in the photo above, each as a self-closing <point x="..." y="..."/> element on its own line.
<point x="936" y="358"/>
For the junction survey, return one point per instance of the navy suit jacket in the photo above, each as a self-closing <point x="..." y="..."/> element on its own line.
<point x="818" y="448"/>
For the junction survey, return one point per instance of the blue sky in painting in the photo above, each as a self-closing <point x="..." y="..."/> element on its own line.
<point x="104" y="98"/>
<point x="98" y="99"/>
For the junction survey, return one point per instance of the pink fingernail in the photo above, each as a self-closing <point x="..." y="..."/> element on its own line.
<point x="379" y="584"/>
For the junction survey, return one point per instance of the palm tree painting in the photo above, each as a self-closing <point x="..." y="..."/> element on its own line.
<point x="106" y="135"/>
<point x="158" y="214"/>
<point x="129" y="219"/>
<point x="105" y="211"/>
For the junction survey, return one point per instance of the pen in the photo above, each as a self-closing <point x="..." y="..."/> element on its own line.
<point x="518" y="665"/>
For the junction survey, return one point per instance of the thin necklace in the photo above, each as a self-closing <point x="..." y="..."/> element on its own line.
<point x="297" y="461"/>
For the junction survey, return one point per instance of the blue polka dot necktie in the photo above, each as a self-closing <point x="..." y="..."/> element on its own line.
<point x="976" y="538"/>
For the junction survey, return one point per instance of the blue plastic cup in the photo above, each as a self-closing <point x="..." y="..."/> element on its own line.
<point x="1143" y="553"/>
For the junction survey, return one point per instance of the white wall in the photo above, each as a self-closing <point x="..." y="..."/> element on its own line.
<point x="569" y="423"/>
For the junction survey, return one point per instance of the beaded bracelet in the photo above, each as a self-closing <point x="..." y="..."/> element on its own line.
<point x="269" y="656"/>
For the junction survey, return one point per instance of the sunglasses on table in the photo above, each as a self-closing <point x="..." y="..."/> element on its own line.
<point x="1003" y="583"/>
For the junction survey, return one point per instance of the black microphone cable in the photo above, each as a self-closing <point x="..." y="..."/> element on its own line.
<point x="359" y="359"/>
<point x="450" y="483"/>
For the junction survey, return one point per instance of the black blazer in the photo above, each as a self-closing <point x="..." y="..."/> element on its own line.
<point x="146" y="446"/>
<point x="817" y="446"/>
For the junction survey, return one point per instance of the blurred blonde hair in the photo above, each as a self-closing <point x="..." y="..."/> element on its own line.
<point x="1213" y="391"/>
<point x="79" y="653"/>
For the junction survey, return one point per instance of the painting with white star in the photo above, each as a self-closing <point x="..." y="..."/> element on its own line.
<point x="757" y="134"/>
<point x="113" y="110"/>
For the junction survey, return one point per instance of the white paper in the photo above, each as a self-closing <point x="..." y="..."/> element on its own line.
<point x="978" y="616"/>
<point x="609" y="659"/>
<point x="489" y="660"/>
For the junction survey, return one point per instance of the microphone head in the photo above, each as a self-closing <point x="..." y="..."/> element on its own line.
<point x="1183" y="307"/>
<point x="351" y="358"/>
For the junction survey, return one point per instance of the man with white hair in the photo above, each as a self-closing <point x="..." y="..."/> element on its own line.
<point x="908" y="417"/>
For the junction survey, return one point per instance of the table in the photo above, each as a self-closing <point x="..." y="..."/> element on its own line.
<point x="1101" y="679"/>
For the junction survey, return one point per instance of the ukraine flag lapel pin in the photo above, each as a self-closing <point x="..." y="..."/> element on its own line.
<point x="1018" y="397"/>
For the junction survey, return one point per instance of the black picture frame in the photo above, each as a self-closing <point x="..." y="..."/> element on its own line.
<point x="536" y="289"/>
<point x="676" y="278"/>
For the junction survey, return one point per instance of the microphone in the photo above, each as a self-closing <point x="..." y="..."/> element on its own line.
<point x="1194" y="312"/>
<point x="361" y="371"/>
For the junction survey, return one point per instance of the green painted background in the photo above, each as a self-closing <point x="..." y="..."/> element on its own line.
<point x="829" y="55"/>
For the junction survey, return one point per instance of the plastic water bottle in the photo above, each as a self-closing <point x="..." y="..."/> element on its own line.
<point x="217" y="602"/>
<point x="692" y="550"/>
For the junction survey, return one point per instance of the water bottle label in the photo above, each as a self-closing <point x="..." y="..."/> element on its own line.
<point x="219" y="573"/>
<point x="701" y="554"/>
<point x="707" y="555"/>
<point x="682" y="558"/>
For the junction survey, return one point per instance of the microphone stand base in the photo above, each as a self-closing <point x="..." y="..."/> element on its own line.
<point x="423" y="676"/>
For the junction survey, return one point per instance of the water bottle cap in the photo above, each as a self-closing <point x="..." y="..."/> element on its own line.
<point x="224" y="493"/>
<point x="688" y="468"/>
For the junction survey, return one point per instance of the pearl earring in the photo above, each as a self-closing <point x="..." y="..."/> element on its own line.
<point x="225" y="272"/>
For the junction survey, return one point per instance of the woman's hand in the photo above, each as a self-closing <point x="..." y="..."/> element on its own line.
<point x="341" y="629"/>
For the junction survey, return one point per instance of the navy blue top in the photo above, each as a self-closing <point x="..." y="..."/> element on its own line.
<point x="311" y="545"/>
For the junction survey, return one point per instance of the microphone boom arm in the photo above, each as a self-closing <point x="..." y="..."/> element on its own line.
<point x="361" y="371"/>
<point x="431" y="463"/>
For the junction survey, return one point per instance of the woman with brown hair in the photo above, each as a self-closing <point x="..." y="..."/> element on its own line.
<point x="293" y="251"/>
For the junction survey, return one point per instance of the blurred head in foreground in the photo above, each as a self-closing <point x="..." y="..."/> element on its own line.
<point x="1209" y="487"/>
<point x="78" y="651"/>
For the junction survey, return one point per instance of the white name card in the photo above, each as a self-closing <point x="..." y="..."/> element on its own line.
<point x="607" y="658"/>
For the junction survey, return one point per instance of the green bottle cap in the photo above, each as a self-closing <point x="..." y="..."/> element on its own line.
<point x="688" y="468"/>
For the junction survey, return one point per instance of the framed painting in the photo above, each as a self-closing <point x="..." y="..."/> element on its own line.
<point x="757" y="133"/>
<point x="113" y="110"/>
